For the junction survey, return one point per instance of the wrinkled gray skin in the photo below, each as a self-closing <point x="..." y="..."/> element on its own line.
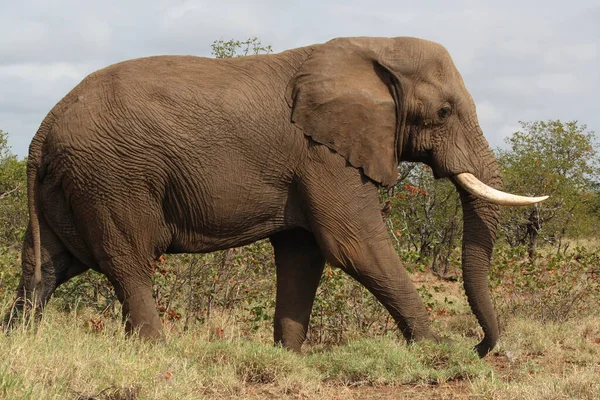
<point x="180" y="154"/>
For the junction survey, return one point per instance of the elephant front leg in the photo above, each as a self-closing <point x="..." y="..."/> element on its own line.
<point x="299" y="264"/>
<point x="345" y="218"/>
<point x="373" y="262"/>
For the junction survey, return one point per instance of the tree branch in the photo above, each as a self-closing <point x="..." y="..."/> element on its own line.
<point x="6" y="194"/>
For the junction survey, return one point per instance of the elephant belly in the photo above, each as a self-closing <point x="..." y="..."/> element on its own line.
<point x="197" y="242"/>
<point x="221" y="219"/>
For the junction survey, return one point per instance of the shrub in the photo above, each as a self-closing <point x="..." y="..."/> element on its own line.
<point x="555" y="287"/>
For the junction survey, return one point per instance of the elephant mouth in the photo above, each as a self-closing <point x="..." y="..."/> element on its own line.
<point x="479" y="189"/>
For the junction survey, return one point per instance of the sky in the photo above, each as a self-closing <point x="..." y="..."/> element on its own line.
<point x="521" y="60"/>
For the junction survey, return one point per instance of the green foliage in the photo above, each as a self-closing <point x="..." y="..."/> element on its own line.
<point x="91" y="290"/>
<point x="236" y="48"/>
<point x="13" y="195"/>
<point x="557" y="159"/>
<point x="424" y="217"/>
<point x="13" y="214"/>
<point x="10" y="269"/>
<point x="557" y="287"/>
<point x="344" y="309"/>
<point x="194" y="286"/>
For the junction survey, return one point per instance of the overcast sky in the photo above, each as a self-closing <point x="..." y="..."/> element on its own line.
<point x="521" y="60"/>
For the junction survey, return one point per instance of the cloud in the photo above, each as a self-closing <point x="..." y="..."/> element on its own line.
<point x="519" y="60"/>
<point x="31" y="87"/>
<point x="488" y="113"/>
<point x="42" y="72"/>
<point x="560" y="83"/>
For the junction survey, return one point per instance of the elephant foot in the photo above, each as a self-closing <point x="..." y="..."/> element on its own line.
<point x="484" y="347"/>
<point x="141" y="318"/>
<point x="289" y="334"/>
<point x="145" y="331"/>
<point x="23" y="313"/>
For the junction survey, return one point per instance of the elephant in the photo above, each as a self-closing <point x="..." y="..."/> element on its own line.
<point x="185" y="154"/>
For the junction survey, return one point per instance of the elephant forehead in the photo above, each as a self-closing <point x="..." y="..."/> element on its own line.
<point x="419" y="58"/>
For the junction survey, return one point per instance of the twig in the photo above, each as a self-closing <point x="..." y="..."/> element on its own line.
<point x="191" y="265"/>
<point x="6" y="194"/>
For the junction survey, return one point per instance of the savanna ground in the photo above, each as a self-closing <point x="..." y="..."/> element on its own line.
<point x="217" y="312"/>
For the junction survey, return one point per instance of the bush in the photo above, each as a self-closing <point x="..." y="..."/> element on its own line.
<point x="556" y="287"/>
<point x="424" y="216"/>
<point x="557" y="159"/>
<point x="13" y="196"/>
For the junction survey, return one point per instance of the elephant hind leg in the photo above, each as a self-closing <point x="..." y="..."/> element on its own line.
<point x="58" y="266"/>
<point x="126" y="254"/>
<point x="134" y="291"/>
<point x="125" y="239"/>
<point x="129" y="269"/>
<point x="299" y="263"/>
<point x="140" y="315"/>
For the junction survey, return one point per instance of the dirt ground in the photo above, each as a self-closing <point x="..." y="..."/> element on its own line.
<point x="450" y="390"/>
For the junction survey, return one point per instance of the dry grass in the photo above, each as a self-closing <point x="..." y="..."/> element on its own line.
<point x="67" y="358"/>
<point x="549" y="361"/>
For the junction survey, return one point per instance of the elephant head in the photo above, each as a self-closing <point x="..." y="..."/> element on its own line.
<point x="379" y="101"/>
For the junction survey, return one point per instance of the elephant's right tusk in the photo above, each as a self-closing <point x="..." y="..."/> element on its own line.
<point x="477" y="188"/>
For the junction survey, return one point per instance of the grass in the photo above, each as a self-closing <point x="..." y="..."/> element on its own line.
<point x="79" y="350"/>
<point x="65" y="357"/>
<point x="547" y="361"/>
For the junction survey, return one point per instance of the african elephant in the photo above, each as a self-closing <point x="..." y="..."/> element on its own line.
<point x="175" y="154"/>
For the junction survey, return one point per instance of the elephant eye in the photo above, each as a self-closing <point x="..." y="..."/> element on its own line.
<point x="444" y="112"/>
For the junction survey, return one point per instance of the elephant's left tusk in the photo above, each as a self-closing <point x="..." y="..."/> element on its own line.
<point x="477" y="188"/>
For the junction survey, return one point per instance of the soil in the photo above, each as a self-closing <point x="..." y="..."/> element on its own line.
<point x="450" y="390"/>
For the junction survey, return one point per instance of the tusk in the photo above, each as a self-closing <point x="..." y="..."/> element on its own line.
<point x="477" y="188"/>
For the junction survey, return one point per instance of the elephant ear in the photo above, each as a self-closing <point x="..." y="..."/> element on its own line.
<point x="345" y="99"/>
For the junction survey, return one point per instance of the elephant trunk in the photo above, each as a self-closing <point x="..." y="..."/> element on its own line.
<point x="480" y="222"/>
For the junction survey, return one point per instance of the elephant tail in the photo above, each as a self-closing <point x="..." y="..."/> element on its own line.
<point x="34" y="220"/>
<point x="34" y="165"/>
